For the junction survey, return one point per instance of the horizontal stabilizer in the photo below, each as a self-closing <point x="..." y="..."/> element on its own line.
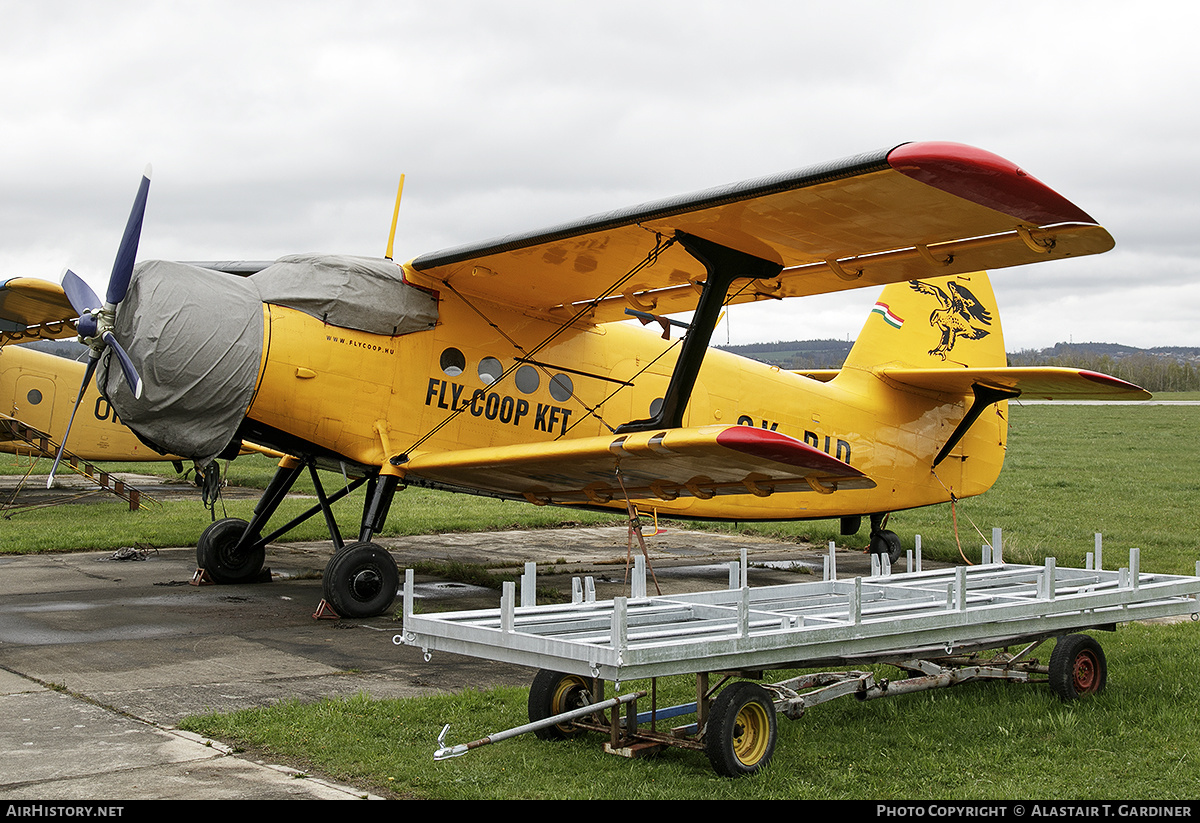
<point x="700" y="462"/>
<point x="1032" y="383"/>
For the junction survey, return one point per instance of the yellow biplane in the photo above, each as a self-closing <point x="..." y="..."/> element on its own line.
<point x="512" y="368"/>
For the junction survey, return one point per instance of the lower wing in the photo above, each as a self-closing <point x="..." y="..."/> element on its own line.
<point x="700" y="462"/>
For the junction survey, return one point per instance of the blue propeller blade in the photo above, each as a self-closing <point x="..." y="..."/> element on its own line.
<point x="87" y="378"/>
<point x="122" y="271"/>
<point x="84" y="299"/>
<point x="79" y="293"/>
<point x="92" y="320"/>
<point x="131" y="375"/>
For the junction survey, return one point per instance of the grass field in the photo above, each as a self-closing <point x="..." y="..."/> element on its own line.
<point x="1128" y="472"/>
<point x="1137" y="740"/>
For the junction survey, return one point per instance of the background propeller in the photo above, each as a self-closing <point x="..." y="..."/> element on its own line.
<point x="96" y="319"/>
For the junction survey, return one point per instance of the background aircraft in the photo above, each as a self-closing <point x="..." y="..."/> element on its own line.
<point x="38" y="392"/>
<point x="499" y="368"/>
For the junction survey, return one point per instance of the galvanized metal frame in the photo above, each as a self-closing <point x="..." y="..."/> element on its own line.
<point x="857" y="621"/>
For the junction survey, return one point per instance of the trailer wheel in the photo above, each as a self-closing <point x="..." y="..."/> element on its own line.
<point x="1077" y="667"/>
<point x="361" y="580"/>
<point x="554" y="693"/>
<point x="215" y="552"/>
<point x="740" y="735"/>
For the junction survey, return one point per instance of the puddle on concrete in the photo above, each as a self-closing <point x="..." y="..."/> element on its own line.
<point x="443" y="589"/>
<point x="790" y="565"/>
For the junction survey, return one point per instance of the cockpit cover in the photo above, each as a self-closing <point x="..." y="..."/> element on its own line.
<point x="363" y="293"/>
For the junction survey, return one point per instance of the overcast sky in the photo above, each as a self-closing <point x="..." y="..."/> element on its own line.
<point x="281" y="127"/>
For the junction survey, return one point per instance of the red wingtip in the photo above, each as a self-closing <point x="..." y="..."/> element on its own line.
<point x="780" y="448"/>
<point x="986" y="179"/>
<point x="1110" y="381"/>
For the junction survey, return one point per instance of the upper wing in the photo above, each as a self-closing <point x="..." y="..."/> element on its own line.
<point x="700" y="462"/>
<point x="33" y="309"/>
<point x="1034" y="382"/>
<point x="919" y="210"/>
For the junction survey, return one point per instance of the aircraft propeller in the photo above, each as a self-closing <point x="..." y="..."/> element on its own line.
<point x="96" y="319"/>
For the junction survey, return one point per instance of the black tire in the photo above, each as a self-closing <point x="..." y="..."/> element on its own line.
<point x="361" y="580"/>
<point x="739" y="737"/>
<point x="215" y="552"/>
<point x="887" y="542"/>
<point x="554" y="693"/>
<point x="1077" y="667"/>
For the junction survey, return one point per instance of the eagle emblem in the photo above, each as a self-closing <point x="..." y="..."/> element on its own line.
<point x="957" y="316"/>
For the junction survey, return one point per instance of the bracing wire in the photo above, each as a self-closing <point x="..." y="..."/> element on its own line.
<point x="651" y="258"/>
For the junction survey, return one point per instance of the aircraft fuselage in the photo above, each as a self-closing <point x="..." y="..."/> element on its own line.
<point x="367" y="398"/>
<point x="39" y="389"/>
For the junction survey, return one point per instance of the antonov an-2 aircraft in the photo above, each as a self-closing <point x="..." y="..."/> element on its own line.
<point x="511" y="368"/>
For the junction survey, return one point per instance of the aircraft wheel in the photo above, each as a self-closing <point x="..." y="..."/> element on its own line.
<point x="1077" y="667"/>
<point x="887" y="542"/>
<point x="361" y="580"/>
<point x="215" y="552"/>
<point x="554" y="693"/>
<point x="740" y="735"/>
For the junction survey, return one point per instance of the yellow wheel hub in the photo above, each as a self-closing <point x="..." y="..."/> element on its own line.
<point x="751" y="734"/>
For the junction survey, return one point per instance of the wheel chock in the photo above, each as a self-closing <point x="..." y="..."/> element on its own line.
<point x="325" y="612"/>
<point x="201" y="578"/>
<point x="635" y="750"/>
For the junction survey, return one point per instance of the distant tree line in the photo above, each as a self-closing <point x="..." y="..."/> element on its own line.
<point x="69" y="348"/>
<point x="1161" y="369"/>
<point x="1153" y="370"/>
<point x="796" y="354"/>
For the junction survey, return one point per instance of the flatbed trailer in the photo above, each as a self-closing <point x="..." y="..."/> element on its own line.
<point x="942" y="626"/>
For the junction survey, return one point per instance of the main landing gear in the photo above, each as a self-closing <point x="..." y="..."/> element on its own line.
<point x="360" y="580"/>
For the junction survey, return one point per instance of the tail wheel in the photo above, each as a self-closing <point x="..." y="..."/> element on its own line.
<point x="1077" y="667"/>
<point x="887" y="542"/>
<point x="215" y="552"/>
<point x="361" y="580"/>
<point x="554" y="693"/>
<point x="740" y="736"/>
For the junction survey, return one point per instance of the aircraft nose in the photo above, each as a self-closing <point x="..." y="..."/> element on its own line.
<point x="199" y="339"/>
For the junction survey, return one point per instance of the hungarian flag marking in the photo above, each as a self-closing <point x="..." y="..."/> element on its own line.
<point x="889" y="317"/>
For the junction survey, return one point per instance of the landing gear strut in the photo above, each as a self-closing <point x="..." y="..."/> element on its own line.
<point x="360" y="580"/>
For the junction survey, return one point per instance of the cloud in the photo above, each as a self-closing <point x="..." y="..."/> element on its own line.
<point x="282" y="127"/>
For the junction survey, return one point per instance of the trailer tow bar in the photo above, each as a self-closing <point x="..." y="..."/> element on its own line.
<point x="444" y="752"/>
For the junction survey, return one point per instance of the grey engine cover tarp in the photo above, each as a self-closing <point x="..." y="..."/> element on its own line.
<point x="361" y="293"/>
<point x="196" y="338"/>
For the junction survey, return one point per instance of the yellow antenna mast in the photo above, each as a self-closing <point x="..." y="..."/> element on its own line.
<point x="395" y="218"/>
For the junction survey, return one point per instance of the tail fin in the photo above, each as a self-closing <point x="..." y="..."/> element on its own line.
<point x="944" y="322"/>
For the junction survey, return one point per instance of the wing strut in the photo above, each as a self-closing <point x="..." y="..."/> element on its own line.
<point x="724" y="265"/>
<point x="984" y="397"/>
